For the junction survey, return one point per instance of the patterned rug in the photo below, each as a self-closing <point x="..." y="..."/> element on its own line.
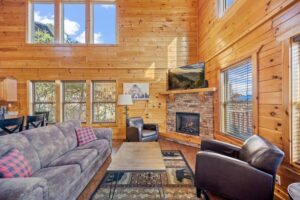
<point x="178" y="182"/>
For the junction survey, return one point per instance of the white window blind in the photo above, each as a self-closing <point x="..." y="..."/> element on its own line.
<point x="237" y="100"/>
<point x="296" y="99"/>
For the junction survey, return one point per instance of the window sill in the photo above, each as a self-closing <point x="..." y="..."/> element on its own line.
<point x="70" y="45"/>
<point x="295" y="167"/>
<point x="228" y="138"/>
<point x="104" y="125"/>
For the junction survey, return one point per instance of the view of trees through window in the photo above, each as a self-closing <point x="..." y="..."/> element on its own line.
<point x="237" y="100"/>
<point x="44" y="98"/>
<point x="43" y="23"/>
<point x="74" y="101"/>
<point x="104" y="102"/>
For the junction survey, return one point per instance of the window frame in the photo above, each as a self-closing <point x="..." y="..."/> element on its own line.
<point x="62" y="22"/>
<point x="68" y="102"/>
<point x="289" y="103"/>
<point x="98" y="102"/>
<point x="30" y="21"/>
<point x="59" y="23"/>
<point x="253" y="60"/>
<point x="92" y="22"/>
<point x="33" y="95"/>
<point x="222" y="8"/>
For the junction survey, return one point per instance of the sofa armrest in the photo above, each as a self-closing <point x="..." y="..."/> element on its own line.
<point x="23" y="189"/>
<point x="133" y="134"/>
<point x="220" y="147"/>
<point x="153" y="127"/>
<point x="104" y="133"/>
<point x="232" y="178"/>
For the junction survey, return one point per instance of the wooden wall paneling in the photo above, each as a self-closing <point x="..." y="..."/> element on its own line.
<point x="245" y="28"/>
<point x="153" y="36"/>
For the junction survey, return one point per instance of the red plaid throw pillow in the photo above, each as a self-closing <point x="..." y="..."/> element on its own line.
<point x="85" y="135"/>
<point x="13" y="164"/>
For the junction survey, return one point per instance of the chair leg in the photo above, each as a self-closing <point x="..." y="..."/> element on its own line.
<point x="202" y="194"/>
<point x="198" y="193"/>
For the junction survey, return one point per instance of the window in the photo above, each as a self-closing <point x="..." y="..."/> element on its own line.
<point x="43" y="98"/>
<point x="236" y="100"/>
<point x="41" y="23"/>
<point x="104" y="23"/>
<point x="74" y="23"/>
<point x="104" y="101"/>
<point x="224" y="5"/>
<point x="296" y="99"/>
<point x="74" y="101"/>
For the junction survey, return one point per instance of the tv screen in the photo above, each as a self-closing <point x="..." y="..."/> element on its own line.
<point x="187" y="77"/>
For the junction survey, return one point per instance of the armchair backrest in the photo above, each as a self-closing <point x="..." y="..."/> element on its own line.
<point x="137" y="122"/>
<point x="261" y="154"/>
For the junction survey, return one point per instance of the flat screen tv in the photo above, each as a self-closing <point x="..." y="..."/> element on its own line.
<point x="187" y="77"/>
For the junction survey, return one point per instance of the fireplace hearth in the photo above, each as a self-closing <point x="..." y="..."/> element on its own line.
<point x="188" y="123"/>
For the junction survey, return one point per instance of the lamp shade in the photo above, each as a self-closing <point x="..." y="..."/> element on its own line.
<point x="125" y="100"/>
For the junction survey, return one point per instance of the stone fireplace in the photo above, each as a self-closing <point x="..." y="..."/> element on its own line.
<point x="186" y="111"/>
<point x="188" y="123"/>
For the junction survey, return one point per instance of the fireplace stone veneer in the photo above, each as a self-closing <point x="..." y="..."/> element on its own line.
<point x="192" y="103"/>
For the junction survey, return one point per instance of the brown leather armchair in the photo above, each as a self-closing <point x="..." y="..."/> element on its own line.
<point x="232" y="172"/>
<point x="137" y="131"/>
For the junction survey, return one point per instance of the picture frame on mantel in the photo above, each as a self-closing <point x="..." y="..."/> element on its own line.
<point x="138" y="91"/>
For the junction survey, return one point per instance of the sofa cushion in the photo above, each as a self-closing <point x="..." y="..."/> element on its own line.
<point x="13" y="164"/>
<point x="102" y="147"/>
<point x="82" y="157"/>
<point x="20" y="142"/>
<point x="49" y="142"/>
<point x="68" y="129"/>
<point x="85" y="135"/>
<point x="59" y="178"/>
<point x="149" y="133"/>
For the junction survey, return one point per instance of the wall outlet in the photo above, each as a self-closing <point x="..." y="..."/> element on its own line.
<point x="278" y="180"/>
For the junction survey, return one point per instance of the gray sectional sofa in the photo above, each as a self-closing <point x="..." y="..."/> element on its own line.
<point x="61" y="169"/>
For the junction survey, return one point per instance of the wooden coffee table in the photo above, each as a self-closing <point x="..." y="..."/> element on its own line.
<point x="139" y="157"/>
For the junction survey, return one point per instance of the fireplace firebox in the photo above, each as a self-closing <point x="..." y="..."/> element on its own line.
<point x="188" y="123"/>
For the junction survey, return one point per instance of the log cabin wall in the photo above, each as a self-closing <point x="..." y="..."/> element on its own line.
<point x="153" y="35"/>
<point x="260" y="29"/>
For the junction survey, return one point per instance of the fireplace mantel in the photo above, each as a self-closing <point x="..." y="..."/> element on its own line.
<point x="200" y="91"/>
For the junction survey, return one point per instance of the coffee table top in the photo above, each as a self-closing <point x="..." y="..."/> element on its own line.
<point x="138" y="156"/>
<point x="294" y="190"/>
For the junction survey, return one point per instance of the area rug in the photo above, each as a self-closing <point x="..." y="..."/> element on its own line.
<point x="178" y="182"/>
